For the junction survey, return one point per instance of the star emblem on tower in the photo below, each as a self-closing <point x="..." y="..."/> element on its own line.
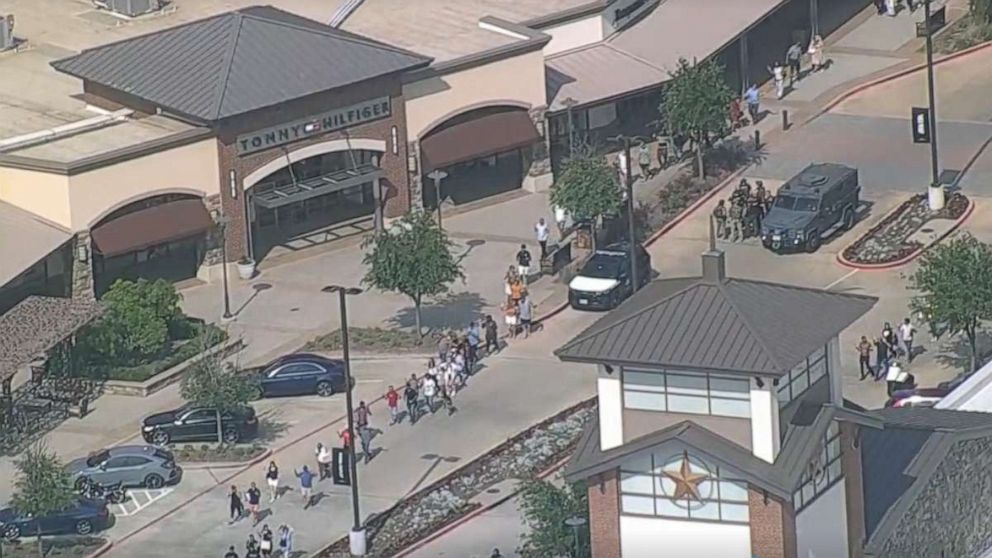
<point x="686" y="482"/>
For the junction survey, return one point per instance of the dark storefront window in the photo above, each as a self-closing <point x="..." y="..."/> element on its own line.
<point x="51" y="276"/>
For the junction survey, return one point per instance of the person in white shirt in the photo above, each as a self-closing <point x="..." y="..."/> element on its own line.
<point x="778" y="74"/>
<point x="543" y="234"/>
<point x="323" y="461"/>
<point x="906" y="333"/>
<point x="561" y="219"/>
<point x="429" y="389"/>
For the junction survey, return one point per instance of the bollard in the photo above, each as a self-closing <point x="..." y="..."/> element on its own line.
<point x="785" y="119"/>
<point x="757" y="140"/>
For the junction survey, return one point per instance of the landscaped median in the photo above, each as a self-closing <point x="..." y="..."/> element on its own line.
<point x="54" y="547"/>
<point x="451" y="498"/>
<point x="372" y="340"/>
<point x="214" y="456"/>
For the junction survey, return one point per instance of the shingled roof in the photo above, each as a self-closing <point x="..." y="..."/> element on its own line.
<point x="38" y="323"/>
<point x="730" y="325"/>
<point x="237" y="62"/>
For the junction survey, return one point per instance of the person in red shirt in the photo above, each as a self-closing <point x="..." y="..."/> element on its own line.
<point x="393" y="401"/>
<point x="345" y="438"/>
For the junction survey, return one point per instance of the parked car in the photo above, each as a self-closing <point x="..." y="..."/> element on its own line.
<point x="604" y="281"/>
<point x="198" y="424"/>
<point x="82" y="518"/>
<point x="147" y="466"/>
<point x="301" y="374"/>
<point x="811" y="206"/>
<point x="924" y="397"/>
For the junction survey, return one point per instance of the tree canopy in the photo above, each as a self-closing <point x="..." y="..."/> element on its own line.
<point x="695" y="103"/>
<point x="545" y="507"/>
<point x="982" y="9"/>
<point x="587" y="187"/>
<point x="215" y="384"/>
<point x="42" y="486"/>
<point x="412" y="257"/>
<point x="136" y="324"/>
<point x="955" y="288"/>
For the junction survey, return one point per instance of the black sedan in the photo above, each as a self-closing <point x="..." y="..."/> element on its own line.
<point x="301" y="374"/>
<point x="82" y="518"/>
<point x="199" y="424"/>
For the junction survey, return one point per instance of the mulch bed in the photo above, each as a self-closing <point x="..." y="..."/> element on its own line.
<point x="407" y="521"/>
<point x="889" y="240"/>
<point x="218" y="454"/>
<point x="372" y="339"/>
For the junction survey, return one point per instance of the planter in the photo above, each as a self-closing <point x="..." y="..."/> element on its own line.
<point x="172" y="375"/>
<point x="246" y="269"/>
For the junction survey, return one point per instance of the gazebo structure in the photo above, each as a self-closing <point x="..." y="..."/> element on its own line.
<point x="30" y="330"/>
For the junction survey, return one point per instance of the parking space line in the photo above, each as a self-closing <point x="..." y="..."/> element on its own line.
<point x="841" y="280"/>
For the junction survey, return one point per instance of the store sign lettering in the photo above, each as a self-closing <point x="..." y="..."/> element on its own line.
<point x="337" y="119"/>
<point x="623" y="14"/>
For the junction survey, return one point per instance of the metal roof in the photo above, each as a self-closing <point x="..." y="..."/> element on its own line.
<point x="237" y="62"/>
<point x="929" y="418"/>
<point x="733" y="326"/>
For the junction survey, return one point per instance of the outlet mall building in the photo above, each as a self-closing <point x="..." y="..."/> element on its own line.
<point x="136" y="147"/>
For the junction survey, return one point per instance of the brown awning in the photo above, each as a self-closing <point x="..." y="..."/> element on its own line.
<point x="481" y="137"/>
<point x="154" y="225"/>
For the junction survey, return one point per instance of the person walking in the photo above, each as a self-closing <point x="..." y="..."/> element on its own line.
<point x="496" y="554"/>
<point x="411" y="395"/>
<point x="890" y="8"/>
<point x="906" y="334"/>
<point x="345" y="436"/>
<point x="272" y="480"/>
<point x="794" y="57"/>
<point x="252" y="548"/>
<point x="492" y="335"/>
<point x="254" y="497"/>
<point x="523" y="264"/>
<point x="561" y="219"/>
<point x="720" y="218"/>
<point x="393" y="402"/>
<point x="231" y="553"/>
<point x="543" y="234"/>
<point x="306" y="485"/>
<point x="443" y="345"/>
<point x="753" y="98"/>
<point x="889" y="337"/>
<point x="365" y="438"/>
<point x="510" y="317"/>
<point x="525" y="310"/>
<point x="736" y="222"/>
<point x="644" y="160"/>
<point x="429" y="389"/>
<point x="816" y="53"/>
<point x="864" y="357"/>
<point x="473" y="338"/>
<point x="362" y="415"/>
<point x="509" y="279"/>
<point x="881" y="358"/>
<point x="324" y="459"/>
<point x="778" y="75"/>
<point x="285" y="541"/>
<point x="880" y="6"/>
<point x="265" y="541"/>
<point x="236" y="505"/>
<point x="517" y="290"/>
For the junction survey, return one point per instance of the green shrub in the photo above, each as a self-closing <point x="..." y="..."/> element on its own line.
<point x="176" y="353"/>
<point x="135" y="327"/>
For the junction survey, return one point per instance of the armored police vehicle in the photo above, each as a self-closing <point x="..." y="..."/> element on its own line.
<point x="811" y="206"/>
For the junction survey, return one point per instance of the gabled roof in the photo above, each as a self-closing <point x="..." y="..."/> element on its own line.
<point x="734" y="325"/>
<point x="237" y="62"/>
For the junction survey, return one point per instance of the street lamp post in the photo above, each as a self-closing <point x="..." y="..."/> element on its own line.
<point x="935" y="193"/>
<point x="356" y="537"/>
<point x="437" y="175"/>
<point x="632" y="239"/>
<point x="576" y="523"/>
<point x="221" y="221"/>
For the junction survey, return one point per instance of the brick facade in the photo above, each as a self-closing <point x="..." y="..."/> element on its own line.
<point x="773" y="526"/>
<point x="396" y="191"/>
<point x="604" y="514"/>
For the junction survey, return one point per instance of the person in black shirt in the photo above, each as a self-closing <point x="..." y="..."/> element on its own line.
<point x="523" y="263"/>
<point x="411" y="394"/>
<point x="237" y="507"/>
<point x="266" y="544"/>
<point x="254" y="502"/>
<point x="231" y="553"/>
<point x="252" y="549"/>
<point x="492" y="335"/>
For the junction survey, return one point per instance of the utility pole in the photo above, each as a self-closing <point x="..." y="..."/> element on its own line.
<point x="935" y="194"/>
<point x="631" y="238"/>
<point x="437" y="175"/>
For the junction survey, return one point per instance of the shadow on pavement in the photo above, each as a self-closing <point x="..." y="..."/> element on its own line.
<point x="452" y="311"/>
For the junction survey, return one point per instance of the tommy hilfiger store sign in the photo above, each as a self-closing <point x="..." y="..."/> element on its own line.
<point x="337" y="119"/>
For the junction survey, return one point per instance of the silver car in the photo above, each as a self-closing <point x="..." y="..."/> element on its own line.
<point x="147" y="466"/>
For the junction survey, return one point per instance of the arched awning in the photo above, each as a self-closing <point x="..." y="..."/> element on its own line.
<point x="153" y="225"/>
<point x="479" y="137"/>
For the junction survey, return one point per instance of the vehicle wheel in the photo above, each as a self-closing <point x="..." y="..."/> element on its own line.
<point x="154" y="481"/>
<point x="11" y="533"/>
<point x="81" y="483"/>
<point x="231" y="436"/>
<point x="160" y="438"/>
<point x="615" y="299"/>
<point x="84" y="527"/>
<point x="325" y="389"/>
<point x="848" y="220"/>
<point x="813" y="242"/>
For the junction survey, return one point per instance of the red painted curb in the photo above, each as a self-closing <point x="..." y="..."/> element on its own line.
<point x="227" y="465"/>
<point x="906" y="259"/>
<point x="893" y="76"/>
<point x="475" y="513"/>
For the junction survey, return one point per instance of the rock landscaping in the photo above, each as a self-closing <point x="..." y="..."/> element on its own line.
<point x="892" y="239"/>
<point x="213" y="453"/>
<point x="55" y="547"/>
<point x="524" y="456"/>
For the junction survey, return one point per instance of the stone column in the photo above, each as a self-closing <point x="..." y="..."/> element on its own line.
<point x="210" y="269"/>
<point x="537" y="159"/>
<point x="414" y="172"/>
<point x="82" y="267"/>
<point x="377" y="200"/>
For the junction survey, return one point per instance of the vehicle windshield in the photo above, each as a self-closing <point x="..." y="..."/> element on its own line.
<point x="794" y="203"/>
<point x="97" y="458"/>
<point x="602" y="267"/>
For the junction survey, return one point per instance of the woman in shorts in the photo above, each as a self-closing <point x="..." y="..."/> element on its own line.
<point x="272" y="479"/>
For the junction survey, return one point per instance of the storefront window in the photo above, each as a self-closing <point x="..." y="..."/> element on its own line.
<point x="703" y="394"/>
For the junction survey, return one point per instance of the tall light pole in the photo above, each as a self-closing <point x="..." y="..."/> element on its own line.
<point x="356" y="537"/>
<point x="437" y="175"/>
<point x="935" y="194"/>
<point x="631" y="237"/>
<point x="221" y="221"/>
<point x="576" y="523"/>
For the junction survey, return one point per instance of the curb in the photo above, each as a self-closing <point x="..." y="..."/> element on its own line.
<point x="912" y="256"/>
<point x="102" y="550"/>
<point x="477" y="512"/>
<point x="202" y="465"/>
<point x="893" y="76"/>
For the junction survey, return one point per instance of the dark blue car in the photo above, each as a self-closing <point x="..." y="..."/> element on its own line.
<point x="301" y="374"/>
<point x="81" y="518"/>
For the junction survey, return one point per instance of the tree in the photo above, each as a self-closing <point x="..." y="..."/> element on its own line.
<point x="137" y="322"/>
<point x="982" y="9"/>
<point x="215" y="384"/>
<point x="545" y="508"/>
<point x="955" y="288"/>
<point x="412" y="257"/>
<point x="587" y="188"/>
<point x="696" y="102"/>
<point x="42" y="486"/>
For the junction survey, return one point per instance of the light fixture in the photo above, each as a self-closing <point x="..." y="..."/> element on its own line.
<point x="540" y="127"/>
<point x="233" y="181"/>
<point x="775" y="382"/>
<point x="608" y="368"/>
<point x="82" y="253"/>
<point x="759" y="382"/>
<point x="394" y="137"/>
<point x="411" y="163"/>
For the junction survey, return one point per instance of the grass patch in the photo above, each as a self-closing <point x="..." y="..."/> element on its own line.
<point x="966" y="32"/>
<point x="370" y="339"/>
<point x="178" y="351"/>
<point x="218" y="453"/>
<point x="54" y="547"/>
